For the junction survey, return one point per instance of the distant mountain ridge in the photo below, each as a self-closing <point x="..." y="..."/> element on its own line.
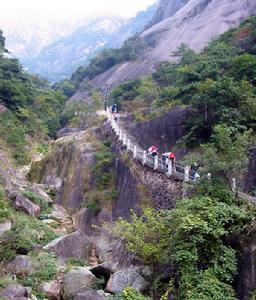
<point x="60" y="58"/>
<point x="195" y="23"/>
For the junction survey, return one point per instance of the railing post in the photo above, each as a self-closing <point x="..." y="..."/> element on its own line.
<point x="134" y="151"/>
<point x="129" y="145"/>
<point x="124" y="139"/>
<point x="186" y="173"/>
<point x="155" y="162"/>
<point x="144" y="157"/>
<point x="233" y="184"/>
<point x="169" y="172"/>
<point x="120" y="135"/>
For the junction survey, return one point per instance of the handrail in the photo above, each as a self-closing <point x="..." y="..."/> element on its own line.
<point x="175" y="170"/>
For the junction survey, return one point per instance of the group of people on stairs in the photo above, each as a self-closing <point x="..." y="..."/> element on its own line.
<point x="167" y="156"/>
<point x="170" y="157"/>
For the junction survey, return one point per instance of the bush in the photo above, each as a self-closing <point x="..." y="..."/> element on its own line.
<point x="5" y="211"/>
<point x="44" y="270"/>
<point x="35" y="198"/>
<point x="130" y="294"/>
<point x="26" y="232"/>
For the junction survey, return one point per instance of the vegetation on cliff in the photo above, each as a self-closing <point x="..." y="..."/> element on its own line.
<point x="29" y="108"/>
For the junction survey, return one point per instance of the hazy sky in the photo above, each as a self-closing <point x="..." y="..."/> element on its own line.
<point x="70" y="8"/>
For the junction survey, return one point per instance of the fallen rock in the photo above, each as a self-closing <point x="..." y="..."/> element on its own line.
<point x="5" y="227"/>
<point x="37" y="189"/>
<point x="21" y="265"/>
<point x="77" y="282"/>
<point x="15" y="292"/>
<point x="90" y="295"/>
<point x="128" y="277"/>
<point x="23" y="204"/>
<point x="74" y="245"/>
<point x="51" y="289"/>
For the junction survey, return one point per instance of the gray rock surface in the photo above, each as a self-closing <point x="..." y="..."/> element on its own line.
<point x="77" y="281"/>
<point x="7" y="225"/>
<point x="195" y="23"/>
<point x="75" y="245"/>
<point x="128" y="277"/>
<point x="166" y="9"/>
<point x="51" y="289"/>
<point x="86" y="219"/>
<point x="23" y="204"/>
<point x="15" y="292"/>
<point x="90" y="295"/>
<point x="21" y="265"/>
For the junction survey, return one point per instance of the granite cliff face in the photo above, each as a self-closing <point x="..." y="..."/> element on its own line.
<point x="193" y="22"/>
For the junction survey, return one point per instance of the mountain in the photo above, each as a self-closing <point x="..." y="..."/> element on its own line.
<point x="195" y="23"/>
<point x="60" y="58"/>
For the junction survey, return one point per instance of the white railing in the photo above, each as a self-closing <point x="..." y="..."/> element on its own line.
<point x="175" y="170"/>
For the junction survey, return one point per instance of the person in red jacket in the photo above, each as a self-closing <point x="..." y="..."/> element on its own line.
<point x="153" y="150"/>
<point x="171" y="157"/>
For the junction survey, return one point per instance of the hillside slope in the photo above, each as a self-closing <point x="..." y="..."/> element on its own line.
<point x="195" y="24"/>
<point x="60" y="58"/>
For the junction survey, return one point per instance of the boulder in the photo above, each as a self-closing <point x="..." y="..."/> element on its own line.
<point x="51" y="289"/>
<point x="90" y="295"/>
<point x="22" y="203"/>
<point x="5" y="227"/>
<point x="21" y="265"/>
<point x="77" y="282"/>
<point x="75" y="245"/>
<point x="15" y="292"/>
<point x="37" y="189"/>
<point x="128" y="277"/>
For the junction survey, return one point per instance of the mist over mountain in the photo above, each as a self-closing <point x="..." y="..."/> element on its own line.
<point x="61" y="57"/>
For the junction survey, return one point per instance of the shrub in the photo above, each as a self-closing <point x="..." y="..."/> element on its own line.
<point x="44" y="269"/>
<point x="26" y="232"/>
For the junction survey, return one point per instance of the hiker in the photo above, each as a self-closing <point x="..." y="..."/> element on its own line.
<point x="165" y="158"/>
<point x="153" y="150"/>
<point x="114" y="108"/>
<point x="171" y="157"/>
<point x="194" y="169"/>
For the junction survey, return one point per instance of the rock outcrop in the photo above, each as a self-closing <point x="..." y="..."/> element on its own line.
<point x="90" y="295"/>
<point x="51" y="289"/>
<point x="23" y="204"/>
<point x="67" y="169"/>
<point x="193" y="22"/>
<point x="15" y="292"/>
<point x="21" y="265"/>
<point x="77" y="282"/>
<point x="75" y="245"/>
<point x="250" y="180"/>
<point x="129" y="277"/>
<point x="7" y="225"/>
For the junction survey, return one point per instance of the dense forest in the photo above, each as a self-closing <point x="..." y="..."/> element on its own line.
<point x="30" y="109"/>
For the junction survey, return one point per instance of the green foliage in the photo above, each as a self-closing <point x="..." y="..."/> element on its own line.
<point x="44" y="270"/>
<point x="26" y="231"/>
<point x="192" y="237"/>
<point x="37" y="199"/>
<point x="226" y="154"/>
<point x="66" y="86"/>
<point x="102" y="168"/>
<point x="130" y="293"/>
<point x="5" y="211"/>
<point x="146" y="235"/>
<point x="32" y="108"/>
<point x="108" y="58"/>
<point x="75" y="262"/>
